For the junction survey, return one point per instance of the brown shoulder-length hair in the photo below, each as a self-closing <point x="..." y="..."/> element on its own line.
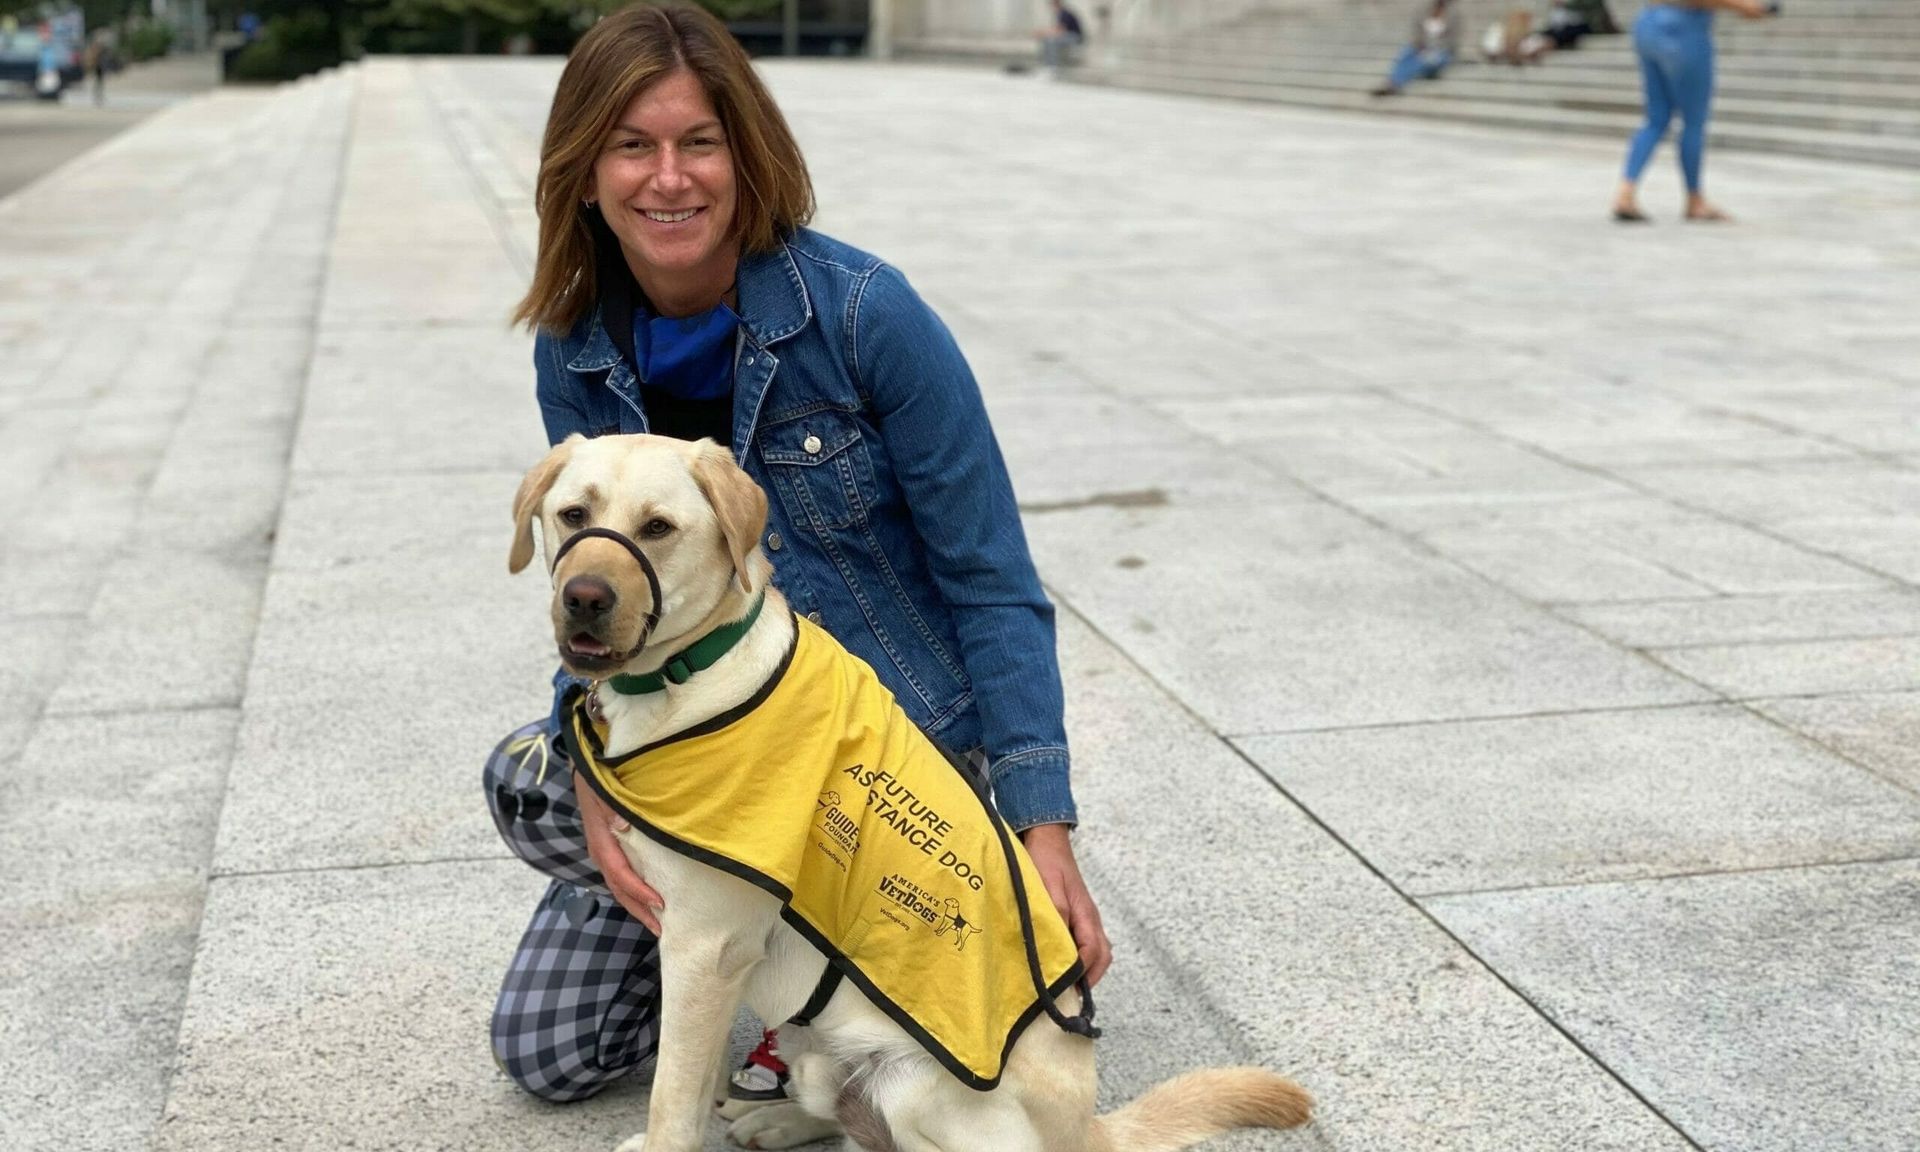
<point x="619" y="58"/>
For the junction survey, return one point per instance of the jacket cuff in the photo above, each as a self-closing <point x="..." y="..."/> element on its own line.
<point x="1031" y="788"/>
<point x="563" y="682"/>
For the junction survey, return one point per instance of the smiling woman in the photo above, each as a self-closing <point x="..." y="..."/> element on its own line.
<point x="677" y="291"/>
<point x="659" y="111"/>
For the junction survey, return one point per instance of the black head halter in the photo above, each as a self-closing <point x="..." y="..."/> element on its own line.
<point x="640" y="558"/>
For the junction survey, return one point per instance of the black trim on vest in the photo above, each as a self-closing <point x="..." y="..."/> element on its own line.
<point x="1082" y="1024"/>
<point x="706" y="727"/>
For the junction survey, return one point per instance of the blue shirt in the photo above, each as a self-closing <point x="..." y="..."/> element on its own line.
<point x="857" y="413"/>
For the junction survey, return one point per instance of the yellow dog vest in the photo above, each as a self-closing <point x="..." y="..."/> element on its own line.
<point x="884" y="855"/>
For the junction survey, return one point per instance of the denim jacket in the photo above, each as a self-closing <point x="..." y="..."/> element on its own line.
<point x="891" y="519"/>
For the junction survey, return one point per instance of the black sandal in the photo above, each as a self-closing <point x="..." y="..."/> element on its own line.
<point x="1623" y="216"/>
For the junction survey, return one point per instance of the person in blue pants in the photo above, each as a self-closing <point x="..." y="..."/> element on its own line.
<point x="1436" y="37"/>
<point x="1675" y="44"/>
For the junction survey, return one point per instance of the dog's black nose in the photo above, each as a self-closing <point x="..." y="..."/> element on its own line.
<point x="587" y="597"/>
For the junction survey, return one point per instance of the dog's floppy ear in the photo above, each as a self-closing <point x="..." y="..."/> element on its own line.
<point x="738" y="503"/>
<point x="526" y="502"/>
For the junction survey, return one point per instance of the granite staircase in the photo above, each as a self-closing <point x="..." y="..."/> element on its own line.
<point x="1830" y="78"/>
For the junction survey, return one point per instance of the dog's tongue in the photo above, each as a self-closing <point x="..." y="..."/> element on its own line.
<point x="588" y="646"/>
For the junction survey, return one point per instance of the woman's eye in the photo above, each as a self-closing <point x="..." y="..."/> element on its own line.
<point x="656" y="528"/>
<point x="573" y="517"/>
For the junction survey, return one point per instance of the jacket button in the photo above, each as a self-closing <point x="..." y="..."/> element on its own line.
<point x="773" y="541"/>
<point x="811" y="444"/>
<point x="813" y="617"/>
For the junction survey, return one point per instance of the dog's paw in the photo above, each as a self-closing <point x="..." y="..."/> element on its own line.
<point x="779" y="1126"/>
<point x="633" y="1144"/>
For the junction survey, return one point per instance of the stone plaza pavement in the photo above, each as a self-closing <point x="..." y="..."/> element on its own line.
<point x="1491" y="635"/>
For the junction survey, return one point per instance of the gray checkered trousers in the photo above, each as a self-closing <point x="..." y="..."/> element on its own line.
<point x="580" y="1006"/>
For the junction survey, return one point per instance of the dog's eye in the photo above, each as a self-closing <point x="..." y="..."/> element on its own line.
<point x="656" y="528"/>
<point x="573" y="517"/>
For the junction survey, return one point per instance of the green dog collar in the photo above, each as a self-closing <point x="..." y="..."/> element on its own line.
<point x="698" y="656"/>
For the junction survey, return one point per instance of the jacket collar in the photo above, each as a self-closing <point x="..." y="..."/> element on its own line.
<point x="773" y="302"/>
<point x="773" y="298"/>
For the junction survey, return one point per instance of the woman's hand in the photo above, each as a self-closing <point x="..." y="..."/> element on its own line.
<point x="1052" y="853"/>
<point x="600" y="822"/>
<point x="1752" y="9"/>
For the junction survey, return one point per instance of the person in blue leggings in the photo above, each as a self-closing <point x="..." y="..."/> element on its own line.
<point x="1675" y="44"/>
<point x="1436" y="37"/>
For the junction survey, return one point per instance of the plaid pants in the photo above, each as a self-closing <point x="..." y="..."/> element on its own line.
<point x="580" y="1005"/>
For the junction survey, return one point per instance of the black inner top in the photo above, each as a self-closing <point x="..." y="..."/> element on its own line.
<point x="667" y="414"/>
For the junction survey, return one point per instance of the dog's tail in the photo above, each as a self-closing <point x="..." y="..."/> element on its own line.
<point x="1190" y="1108"/>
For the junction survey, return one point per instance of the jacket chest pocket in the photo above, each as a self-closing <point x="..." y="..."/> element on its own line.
<point x="819" y="462"/>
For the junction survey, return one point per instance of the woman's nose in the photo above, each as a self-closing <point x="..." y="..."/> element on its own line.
<point x="672" y="172"/>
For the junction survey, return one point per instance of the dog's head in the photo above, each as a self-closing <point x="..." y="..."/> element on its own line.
<point x="694" y="514"/>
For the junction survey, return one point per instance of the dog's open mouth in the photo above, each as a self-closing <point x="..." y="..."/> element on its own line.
<point x="587" y="653"/>
<point x="586" y="644"/>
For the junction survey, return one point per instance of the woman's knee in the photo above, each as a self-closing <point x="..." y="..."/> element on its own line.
<point x="580" y="1004"/>
<point x="569" y="1056"/>
<point x="539" y="1076"/>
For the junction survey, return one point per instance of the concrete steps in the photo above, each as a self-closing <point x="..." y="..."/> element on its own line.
<point x="1837" y="78"/>
<point x="157" y="300"/>
<point x="1594" y="81"/>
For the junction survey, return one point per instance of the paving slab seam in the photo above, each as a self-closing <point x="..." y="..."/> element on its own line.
<point x="1849" y="693"/>
<point x="1602" y="473"/>
<point x="1411" y="901"/>
<point x="75" y="333"/>
<point x="50" y="614"/>
<point x="1684" y="601"/>
<point x="1878" y="456"/>
<point x="1412" y="540"/>
<point x="436" y="324"/>
<point x="1488" y="718"/>
<point x="1831" y="748"/>
<point x="1648" y="654"/>
<point x="457" y="472"/>
<point x="1651" y="656"/>
<point x="1196" y="1001"/>
<point x="81" y="329"/>
<point x="366" y="866"/>
<point x="1660" y="877"/>
<point x="349" y="79"/>
<point x="222" y="705"/>
<point x="1786" y="642"/>
<point x="464" y="146"/>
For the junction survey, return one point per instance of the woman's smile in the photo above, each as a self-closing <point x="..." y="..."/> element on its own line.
<point x="676" y="216"/>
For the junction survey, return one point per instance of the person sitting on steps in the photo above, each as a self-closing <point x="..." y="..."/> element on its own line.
<point x="1436" y="37"/>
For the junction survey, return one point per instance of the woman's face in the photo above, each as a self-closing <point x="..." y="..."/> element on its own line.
<point x="664" y="181"/>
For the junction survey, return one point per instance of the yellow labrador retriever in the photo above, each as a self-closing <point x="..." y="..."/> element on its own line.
<point x="696" y="519"/>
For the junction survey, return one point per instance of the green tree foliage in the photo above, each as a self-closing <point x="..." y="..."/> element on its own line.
<point x="98" y="13"/>
<point x="289" y="46"/>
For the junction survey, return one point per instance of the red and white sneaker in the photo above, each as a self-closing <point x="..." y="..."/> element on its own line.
<point x="761" y="1081"/>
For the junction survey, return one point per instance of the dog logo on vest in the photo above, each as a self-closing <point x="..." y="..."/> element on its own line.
<point x="956" y="923"/>
<point x="841" y="830"/>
